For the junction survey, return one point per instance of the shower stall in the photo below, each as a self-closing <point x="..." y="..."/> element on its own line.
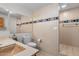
<point x="69" y="31"/>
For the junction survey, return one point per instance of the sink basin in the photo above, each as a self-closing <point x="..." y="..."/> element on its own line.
<point x="11" y="50"/>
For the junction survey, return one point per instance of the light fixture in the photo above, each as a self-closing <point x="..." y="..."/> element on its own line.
<point x="63" y="6"/>
<point x="10" y="12"/>
<point x="7" y="9"/>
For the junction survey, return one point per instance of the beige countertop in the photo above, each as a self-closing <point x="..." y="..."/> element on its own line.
<point x="29" y="51"/>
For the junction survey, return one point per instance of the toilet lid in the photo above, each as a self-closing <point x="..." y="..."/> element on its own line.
<point x="31" y="44"/>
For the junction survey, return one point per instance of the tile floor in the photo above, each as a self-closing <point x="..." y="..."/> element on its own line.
<point x="42" y="53"/>
<point x="67" y="50"/>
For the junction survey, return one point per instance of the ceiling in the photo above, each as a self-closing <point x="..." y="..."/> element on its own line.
<point x="69" y="6"/>
<point x="23" y="8"/>
<point x="27" y="8"/>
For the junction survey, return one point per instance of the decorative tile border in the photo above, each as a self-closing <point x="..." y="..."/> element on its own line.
<point x="42" y="20"/>
<point x="69" y="21"/>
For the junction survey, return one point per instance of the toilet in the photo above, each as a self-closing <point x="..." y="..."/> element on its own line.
<point x="26" y="38"/>
<point x="28" y="41"/>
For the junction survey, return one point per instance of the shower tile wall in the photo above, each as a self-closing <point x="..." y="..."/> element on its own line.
<point x="69" y="35"/>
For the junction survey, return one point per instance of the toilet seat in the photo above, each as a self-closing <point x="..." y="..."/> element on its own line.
<point x="32" y="44"/>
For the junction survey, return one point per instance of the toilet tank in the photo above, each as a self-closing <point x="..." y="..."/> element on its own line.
<point x="24" y="37"/>
<point x="27" y="38"/>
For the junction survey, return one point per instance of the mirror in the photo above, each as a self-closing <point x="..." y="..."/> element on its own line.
<point x="24" y="24"/>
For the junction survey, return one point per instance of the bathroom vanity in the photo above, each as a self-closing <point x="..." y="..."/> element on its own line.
<point x="9" y="47"/>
